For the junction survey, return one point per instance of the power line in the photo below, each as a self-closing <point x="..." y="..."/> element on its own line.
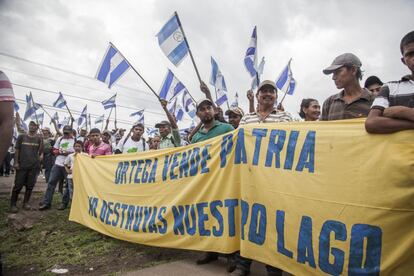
<point x="65" y="71"/>
<point x="73" y="84"/>
<point x="80" y="98"/>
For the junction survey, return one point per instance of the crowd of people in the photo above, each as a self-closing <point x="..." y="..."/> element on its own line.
<point x="388" y="107"/>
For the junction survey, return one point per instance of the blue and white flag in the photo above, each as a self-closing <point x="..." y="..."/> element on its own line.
<point x="31" y="107"/>
<point x="292" y="86"/>
<point x="256" y="78"/>
<point x="250" y="60"/>
<point x="65" y="122"/>
<point x="152" y="131"/>
<point x="38" y="117"/>
<point x="109" y="103"/>
<point x="189" y="105"/>
<point x="139" y="115"/>
<point x="60" y="102"/>
<point x="100" y="119"/>
<point x="171" y="87"/>
<point x="217" y="79"/>
<point x="283" y="83"/>
<point x="83" y="116"/>
<point x="23" y="124"/>
<point x="112" y="67"/>
<point x="172" y="41"/>
<point x="235" y="103"/>
<point x="55" y="118"/>
<point x="16" y="106"/>
<point x="175" y="107"/>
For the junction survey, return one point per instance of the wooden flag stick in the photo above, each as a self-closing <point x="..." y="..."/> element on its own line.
<point x="188" y="46"/>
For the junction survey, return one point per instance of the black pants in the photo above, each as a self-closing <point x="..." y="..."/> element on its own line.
<point x="244" y="264"/>
<point x="5" y="166"/>
<point x="24" y="177"/>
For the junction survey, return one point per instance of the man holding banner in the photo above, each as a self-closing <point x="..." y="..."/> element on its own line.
<point x="266" y="113"/>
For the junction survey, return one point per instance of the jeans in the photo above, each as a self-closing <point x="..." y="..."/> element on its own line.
<point x="68" y="192"/>
<point x="244" y="264"/>
<point x="48" y="161"/>
<point x="56" y="174"/>
<point x="24" y="177"/>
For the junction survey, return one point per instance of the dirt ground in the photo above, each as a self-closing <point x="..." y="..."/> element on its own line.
<point x="34" y="243"/>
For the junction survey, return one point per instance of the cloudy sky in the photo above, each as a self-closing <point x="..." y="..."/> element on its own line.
<point x="50" y="45"/>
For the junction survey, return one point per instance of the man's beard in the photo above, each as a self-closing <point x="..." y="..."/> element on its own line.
<point x="207" y="119"/>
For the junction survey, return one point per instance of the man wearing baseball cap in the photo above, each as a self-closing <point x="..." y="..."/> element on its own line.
<point x="211" y="127"/>
<point x="352" y="101"/>
<point x="266" y="113"/>
<point x="235" y="114"/>
<point x="169" y="132"/>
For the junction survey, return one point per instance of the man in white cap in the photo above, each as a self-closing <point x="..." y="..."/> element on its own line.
<point x="352" y="101"/>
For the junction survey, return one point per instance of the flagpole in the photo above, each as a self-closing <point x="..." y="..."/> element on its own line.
<point x="107" y="123"/>
<point x="139" y="75"/>
<point x="70" y="113"/>
<point x="33" y="104"/>
<point x="287" y="87"/>
<point x="103" y="120"/>
<point x="115" y="118"/>
<point x="189" y="50"/>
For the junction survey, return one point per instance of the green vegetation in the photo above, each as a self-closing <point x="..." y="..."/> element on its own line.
<point x="55" y="241"/>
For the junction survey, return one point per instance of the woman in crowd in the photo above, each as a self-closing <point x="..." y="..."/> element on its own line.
<point x="310" y="110"/>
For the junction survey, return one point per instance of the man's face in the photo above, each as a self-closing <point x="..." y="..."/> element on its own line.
<point x="106" y="137"/>
<point x="234" y="119"/>
<point x="374" y="88"/>
<point x="164" y="130"/>
<point x="408" y="56"/>
<point x="45" y="133"/>
<point x="343" y="76"/>
<point x="33" y="128"/>
<point x="267" y="96"/>
<point x="83" y="132"/>
<point x="313" y="111"/>
<point x="95" y="138"/>
<point x="206" y="113"/>
<point x="121" y="132"/>
<point x="66" y="133"/>
<point x="137" y="132"/>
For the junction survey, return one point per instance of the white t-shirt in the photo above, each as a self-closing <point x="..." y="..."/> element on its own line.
<point x="63" y="144"/>
<point x="70" y="161"/>
<point x="131" y="146"/>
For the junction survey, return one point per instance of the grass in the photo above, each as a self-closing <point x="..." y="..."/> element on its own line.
<point x="55" y="241"/>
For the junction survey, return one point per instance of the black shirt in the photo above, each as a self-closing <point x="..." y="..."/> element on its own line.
<point x="29" y="148"/>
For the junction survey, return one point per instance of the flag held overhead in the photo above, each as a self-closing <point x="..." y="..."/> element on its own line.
<point x="171" y="87"/>
<point x="109" y="103"/>
<point x="172" y="41"/>
<point x="60" y="102"/>
<point x="112" y="67"/>
<point x="250" y="60"/>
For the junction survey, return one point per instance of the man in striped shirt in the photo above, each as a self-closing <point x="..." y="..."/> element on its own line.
<point x="393" y="108"/>
<point x="266" y="96"/>
<point x="266" y="113"/>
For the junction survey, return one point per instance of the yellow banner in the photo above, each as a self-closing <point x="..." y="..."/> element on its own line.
<point x="310" y="198"/>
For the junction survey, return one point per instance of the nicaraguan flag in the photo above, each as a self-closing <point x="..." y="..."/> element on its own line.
<point x="100" y="119"/>
<point x="171" y="87"/>
<point x="256" y="78"/>
<point x="83" y="117"/>
<point x="16" y="106"/>
<point x="139" y="115"/>
<point x="283" y="83"/>
<point x="55" y="118"/>
<point x="174" y="107"/>
<point x="250" y="60"/>
<point x="235" y="103"/>
<point x="60" y="102"/>
<point x="172" y="41"/>
<point x="152" y="131"/>
<point x="23" y="124"/>
<point x="112" y="67"/>
<point x="31" y="107"/>
<point x="109" y="103"/>
<point x="221" y="90"/>
<point x="65" y="122"/>
<point x="38" y="117"/>
<point x="292" y="86"/>
<point x="189" y="105"/>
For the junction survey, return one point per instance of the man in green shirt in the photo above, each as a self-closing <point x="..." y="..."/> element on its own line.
<point x="169" y="132"/>
<point x="211" y="128"/>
